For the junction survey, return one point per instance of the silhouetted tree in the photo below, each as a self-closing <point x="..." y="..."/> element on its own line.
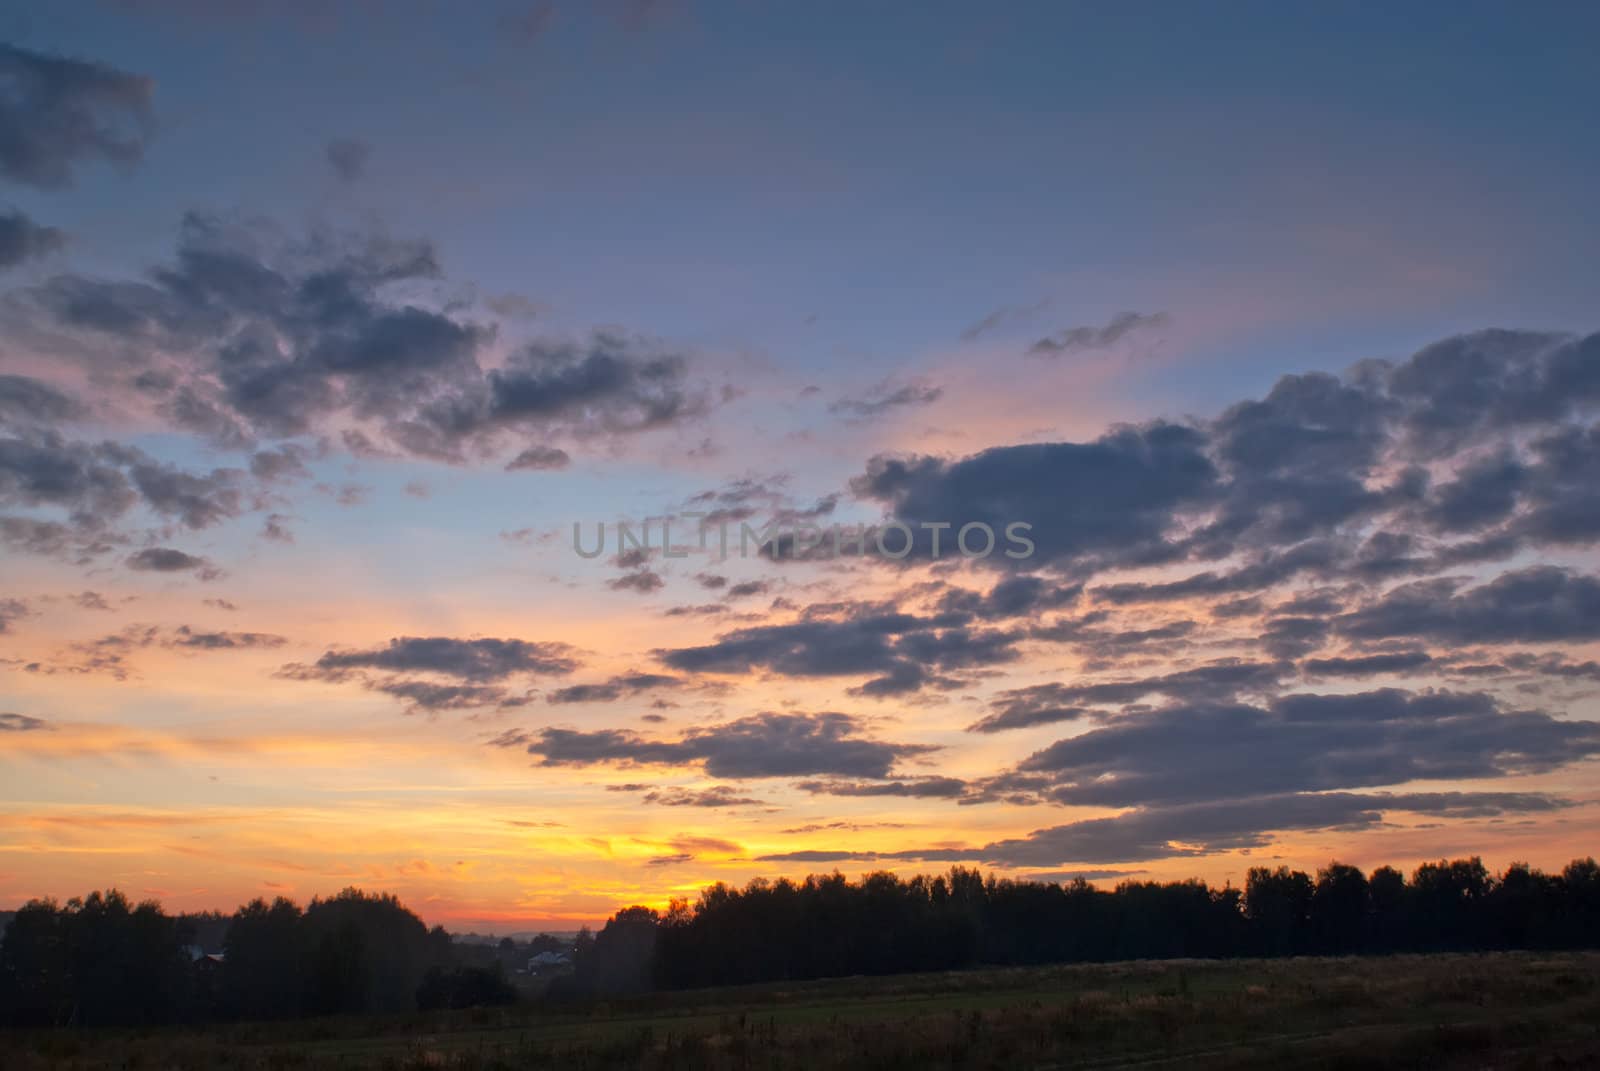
<point x="620" y="959"/>
<point x="100" y="961"/>
<point x="1339" y="909"/>
<point x="1278" y="904"/>
<point x="367" y="953"/>
<point x="265" y="961"/>
<point x="35" y="973"/>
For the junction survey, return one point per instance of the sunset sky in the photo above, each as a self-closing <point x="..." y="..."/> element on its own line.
<point x="320" y="331"/>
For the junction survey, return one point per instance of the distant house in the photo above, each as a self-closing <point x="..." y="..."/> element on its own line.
<point x="548" y="961"/>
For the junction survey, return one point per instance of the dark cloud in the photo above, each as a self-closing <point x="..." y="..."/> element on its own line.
<point x="1109" y="645"/>
<point x="43" y="469"/>
<point x="920" y="787"/>
<point x="1200" y="828"/>
<point x="1204" y="827"/>
<point x="1044" y="704"/>
<point x="1097" y="337"/>
<point x="184" y="636"/>
<point x="715" y="796"/>
<point x="618" y="687"/>
<point x="56" y="113"/>
<point x="1013" y="596"/>
<point x="96" y="485"/>
<point x="24" y="400"/>
<point x="762" y="745"/>
<point x="675" y="859"/>
<point x="1476" y="447"/>
<point x="80" y="541"/>
<point x="1111" y="501"/>
<point x="22" y="239"/>
<point x="1367" y="665"/>
<point x="1191" y="751"/>
<point x="602" y="387"/>
<point x="430" y="696"/>
<point x="287" y="462"/>
<point x="167" y="560"/>
<point x="111" y="654"/>
<point x="1469" y="388"/>
<point x="1291" y="636"/>
<point x="643" y="582"/>
<point x="21" y="723"/>
<point x="475" y="671"/>
<point x="539" y="459"/>
<point x="248" y="334"/>
<point x="12" y="610"/>
<point x="1271" y="570"/>
<point x="901" y="652"/>
<point x="471" y="661"/>
<point x="1540" y="604"/>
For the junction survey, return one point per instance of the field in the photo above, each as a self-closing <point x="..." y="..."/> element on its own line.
<point x="1506" y="1010"/>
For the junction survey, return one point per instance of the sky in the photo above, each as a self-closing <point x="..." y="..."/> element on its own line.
<point x="330" y="336"/>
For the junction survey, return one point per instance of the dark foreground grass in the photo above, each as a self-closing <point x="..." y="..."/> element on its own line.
<point x="1504" y="1010"/>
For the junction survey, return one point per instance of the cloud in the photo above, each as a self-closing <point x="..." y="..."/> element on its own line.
<point x="1108" y="502"/>
<point x="917" y="788"/>
<point x="1367" y="665"/>
<point x="884" y="397"/>
<point x="432" y="696"/>
<point x="184" y="636"/>
<point x="616" y="688"/>
<point x="1540" y="604"/>
<point x="111" y="654"/>
<point x="900" y="652"/>
<point x="1043" y="704"/>
<point x="1472" y="449"/>
<point x="249" y="334"/>
<point x="168" y="560"/>
<point x="713" y="797"/>
<point x="1090" y="337"/>
<point x="1210" y="826"/>
<point x="21" y="723"/>
<point x="96" y="485"/>
<point x="1193" y="751"/>
<point x="21" y="239"/>
<point x="12" y="610"/>
<point x="348" y="157"/>
<point x="24" y="400"/>
<point x="475" y="672"/>
<point x="761" y="745"/>
<point x="539" y="459"/>
<point x="642" y="582"/>
<point x="1196" y="829"/>
<point x="1003" y="316"/>
<point x="56" y="113"/>
<point x="473" y="660"/>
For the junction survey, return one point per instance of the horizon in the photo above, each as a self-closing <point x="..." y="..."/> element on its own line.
<point x="1102" y="884"/>
<point x="328" y="342"/>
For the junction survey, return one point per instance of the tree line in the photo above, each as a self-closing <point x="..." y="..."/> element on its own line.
<point x="828" y="926"/>
<point x="103" y="961"/>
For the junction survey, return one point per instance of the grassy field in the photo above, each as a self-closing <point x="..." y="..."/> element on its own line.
<point x="1467" y="1011"/>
